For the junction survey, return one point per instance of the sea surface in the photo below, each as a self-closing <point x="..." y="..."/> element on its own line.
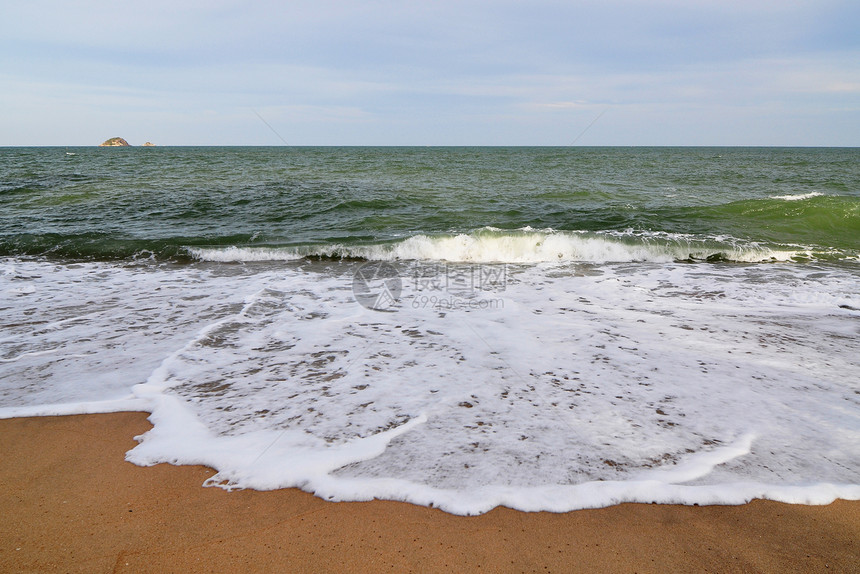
<point x="540" y="328"/>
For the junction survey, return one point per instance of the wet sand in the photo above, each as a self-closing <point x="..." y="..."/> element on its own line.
<point x="70" y="503"/>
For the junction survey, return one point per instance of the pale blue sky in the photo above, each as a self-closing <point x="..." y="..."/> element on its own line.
<point x="662" y="72"/>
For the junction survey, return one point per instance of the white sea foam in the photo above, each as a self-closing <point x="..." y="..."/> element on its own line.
<point x="87" y="333"/>
<point x="584" y="386"/>
<point x="798" y="197"/>
<point x="130" y="403"/>
<point x="233" y="254"/>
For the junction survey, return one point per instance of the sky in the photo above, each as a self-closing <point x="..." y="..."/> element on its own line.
<point x="435" y="72"/>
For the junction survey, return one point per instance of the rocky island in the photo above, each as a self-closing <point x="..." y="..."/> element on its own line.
<point x="115" y="142"/>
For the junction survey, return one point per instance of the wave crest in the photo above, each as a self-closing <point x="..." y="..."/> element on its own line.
<point x="522" y="246"/>
<point x="798" y="197"/>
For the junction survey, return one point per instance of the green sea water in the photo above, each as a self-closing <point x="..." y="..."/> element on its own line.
<point x="162" y="203"/>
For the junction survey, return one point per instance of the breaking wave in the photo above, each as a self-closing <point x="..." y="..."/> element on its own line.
<point x="525" y="246"/>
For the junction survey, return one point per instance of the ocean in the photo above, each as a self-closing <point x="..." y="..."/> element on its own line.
<point x="539" y="328"/>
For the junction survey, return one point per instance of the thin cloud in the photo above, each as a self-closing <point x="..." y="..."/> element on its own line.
<point x="463" y="72"/>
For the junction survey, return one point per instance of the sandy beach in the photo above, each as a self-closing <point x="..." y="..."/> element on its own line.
<point x="71" y="503"/>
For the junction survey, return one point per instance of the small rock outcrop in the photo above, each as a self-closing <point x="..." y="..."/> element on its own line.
<point x="115" y="142"/>
<point x="149" y="144"/>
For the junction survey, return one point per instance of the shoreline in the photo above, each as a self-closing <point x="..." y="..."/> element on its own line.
<point x="71" y="502"/>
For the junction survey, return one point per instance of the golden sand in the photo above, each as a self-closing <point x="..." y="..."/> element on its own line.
<point x="70" y="503"/>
